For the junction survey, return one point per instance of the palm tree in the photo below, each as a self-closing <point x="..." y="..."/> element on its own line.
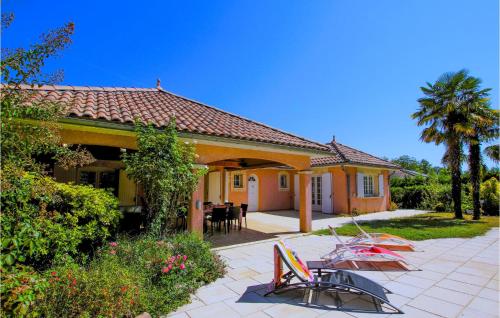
<point x="483" y="123"/>
<point x="493" y="152"/>
<point x="443" y="111"/>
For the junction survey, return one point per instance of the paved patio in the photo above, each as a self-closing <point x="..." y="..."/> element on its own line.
<point x="459" y="278"/>
<point x="282" y="224"/>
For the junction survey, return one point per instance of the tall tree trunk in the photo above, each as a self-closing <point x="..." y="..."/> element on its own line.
<point x="475" y="168"/>
<point x="456" y="175"/>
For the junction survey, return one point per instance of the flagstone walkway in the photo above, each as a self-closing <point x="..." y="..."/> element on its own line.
<point x="458" y="278"/>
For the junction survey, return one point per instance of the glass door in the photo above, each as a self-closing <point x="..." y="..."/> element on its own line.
<point x="316" y="193"/>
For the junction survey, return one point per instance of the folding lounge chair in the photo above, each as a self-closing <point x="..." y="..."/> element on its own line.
<point x="384" y="240"/>
<point x="363" y="257"/>
<point x="337" y="281"/>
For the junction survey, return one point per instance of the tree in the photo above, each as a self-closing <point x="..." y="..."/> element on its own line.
<point x="483" y="127"/>
<point x="38" y="215"/>
<point x="30" y="128"/>
<point x="165" y="167"/>
<point x="443" y="113"/>
<point x="493" y="152"/>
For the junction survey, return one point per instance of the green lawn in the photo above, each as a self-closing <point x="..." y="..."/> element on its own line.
<point x="422" y="227"/>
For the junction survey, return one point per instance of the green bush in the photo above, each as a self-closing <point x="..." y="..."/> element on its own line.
<point x="44" y="221"/>
<point x="421" y="193"/>
<point x="490" y="194"/>
<point x="131" y="276"/>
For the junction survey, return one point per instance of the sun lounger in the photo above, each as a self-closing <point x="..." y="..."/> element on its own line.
<point x="299" y="277"/>
<point x="364" y="257"/>
<point x="384" y="240"/>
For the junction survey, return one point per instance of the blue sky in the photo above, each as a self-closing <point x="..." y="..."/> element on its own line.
<point x="314" y="68"/>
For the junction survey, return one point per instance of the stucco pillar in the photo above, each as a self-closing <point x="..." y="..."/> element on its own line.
<point x="305" y="201"/>
<point x="195" y="213"/>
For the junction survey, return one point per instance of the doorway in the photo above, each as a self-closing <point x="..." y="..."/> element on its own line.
<point x="253" y="193"/>
<point x="214" y="193"/>
<point x="316" y="193"/>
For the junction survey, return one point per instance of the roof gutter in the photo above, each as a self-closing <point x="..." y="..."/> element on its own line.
<point x="186" y="135"/>
<point x="357" y="165"/>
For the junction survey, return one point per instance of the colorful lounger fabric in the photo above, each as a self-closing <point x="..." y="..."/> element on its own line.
<point x="364" y="257"/>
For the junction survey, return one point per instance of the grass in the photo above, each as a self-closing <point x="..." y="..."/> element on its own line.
<point x="422" y="227"/>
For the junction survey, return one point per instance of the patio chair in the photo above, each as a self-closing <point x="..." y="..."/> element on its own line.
<point x="244" y="208"/>
<point x="299" y="277"/>
<point x="218" y="218"/>
<point x="363" y="257"/>
<point x="384" y="240"/>
<point x="234" y="215"/>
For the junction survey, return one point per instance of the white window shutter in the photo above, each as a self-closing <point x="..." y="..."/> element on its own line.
<point x="381" y="185"/>
<point x="360" y="185"/>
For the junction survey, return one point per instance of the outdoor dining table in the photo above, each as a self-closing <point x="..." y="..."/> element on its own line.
<point x="208" y="211"/>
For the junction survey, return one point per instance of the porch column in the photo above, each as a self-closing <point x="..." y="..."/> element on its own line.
<point x="305" y="201"/>
<point x="195" y="213"/>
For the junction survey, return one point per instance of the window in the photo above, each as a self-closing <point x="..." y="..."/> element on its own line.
<point x="238" y="181"/>
<point x="368" y="186"/>
<point x="104" y="179"/>
<point x="283" y="181"/>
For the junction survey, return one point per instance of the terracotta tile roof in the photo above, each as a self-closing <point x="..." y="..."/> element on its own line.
<point x="342" y="154"/>
<point x="155" y="105"/>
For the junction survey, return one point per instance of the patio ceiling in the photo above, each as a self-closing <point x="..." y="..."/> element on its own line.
<point x="248" y="163"/>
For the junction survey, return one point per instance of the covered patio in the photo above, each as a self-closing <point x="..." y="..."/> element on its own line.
<point x="244" y="175"/>
<point x="273" y="225"/>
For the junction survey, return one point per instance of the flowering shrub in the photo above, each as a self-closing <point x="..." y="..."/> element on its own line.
<point x="21" y="287"/>
<point x="104" y="289"/>
<point x="130" y="276"/>
<point x="174" y="264"/>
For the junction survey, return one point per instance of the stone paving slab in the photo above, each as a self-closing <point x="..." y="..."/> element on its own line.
<point x="459" y="278"/>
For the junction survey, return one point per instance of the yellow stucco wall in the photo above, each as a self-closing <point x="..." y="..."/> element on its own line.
<point x="271" y="197"/>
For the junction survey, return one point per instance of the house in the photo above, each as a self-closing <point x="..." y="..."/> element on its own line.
<point x="248" y="161"/>
<point x="405" y="173"/>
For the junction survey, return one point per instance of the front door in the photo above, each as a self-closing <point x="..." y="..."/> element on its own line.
<point x="316" y="193"/>
<point x="214" y="187"/>
<point x="253" y="193"/>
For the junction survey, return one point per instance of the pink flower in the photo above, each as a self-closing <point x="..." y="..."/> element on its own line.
<point x="171" y="259"/>
<point x="170" y="266"/>
<point x="178" y="256"/>
<point x="165" y="270"/>
<point x="183" y="266"/>
<point x="113" y="244"/>
<point x="112" y="252"/>
<point x="185" y="258"/>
